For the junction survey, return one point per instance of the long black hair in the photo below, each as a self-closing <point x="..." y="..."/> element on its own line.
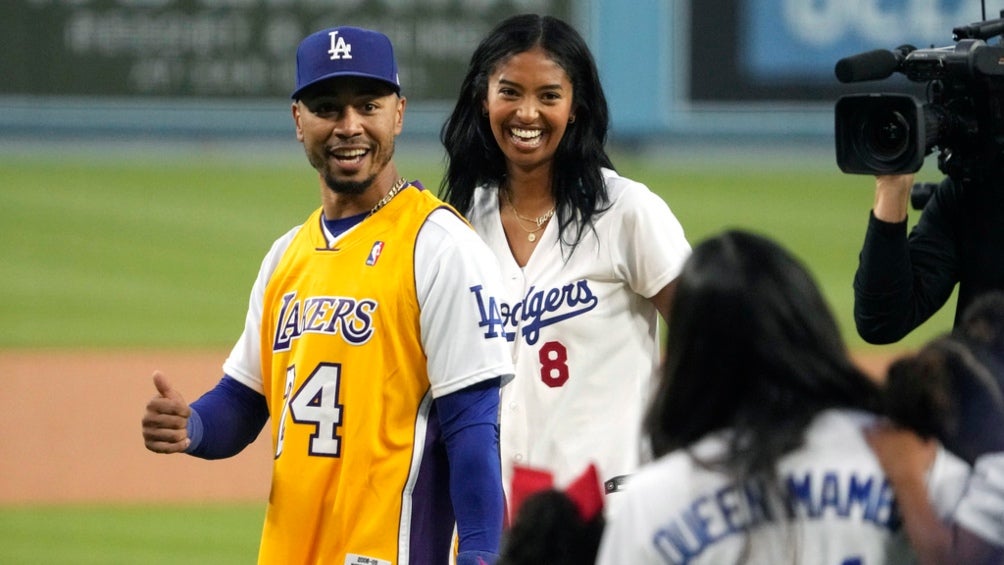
<point x="473" y="156"/>
<point x="752" y="347"/>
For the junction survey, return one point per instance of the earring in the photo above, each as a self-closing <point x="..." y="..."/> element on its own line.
<point x="571" y="119"/>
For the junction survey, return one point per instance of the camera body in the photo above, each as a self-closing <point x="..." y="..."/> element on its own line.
<point x="963" y="116"/>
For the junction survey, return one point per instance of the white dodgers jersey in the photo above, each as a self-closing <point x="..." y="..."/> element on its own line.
<point x="584" y="332"/>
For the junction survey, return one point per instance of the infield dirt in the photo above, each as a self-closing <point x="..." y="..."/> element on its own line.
<point x="70" y="430"/>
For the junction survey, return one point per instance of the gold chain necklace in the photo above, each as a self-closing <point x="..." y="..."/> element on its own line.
<point x="539" y="221"/>
<point x="387" y="197"/>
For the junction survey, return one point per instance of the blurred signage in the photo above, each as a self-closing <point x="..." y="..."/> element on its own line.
<point x="786" y="49"/>
<point x="230" y="48"/>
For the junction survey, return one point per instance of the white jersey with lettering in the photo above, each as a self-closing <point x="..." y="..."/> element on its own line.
<point x="585" y="334"/>
<point x="678" y="511"/>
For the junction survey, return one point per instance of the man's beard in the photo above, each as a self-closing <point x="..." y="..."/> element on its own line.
<point x="346" y="186"/>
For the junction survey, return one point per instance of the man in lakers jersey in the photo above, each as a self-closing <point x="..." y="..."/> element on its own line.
<point x="361" y="347"/>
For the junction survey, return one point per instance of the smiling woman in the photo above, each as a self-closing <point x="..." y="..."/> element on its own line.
<point x="529" y="105"/>
<point x="586" y="253"/>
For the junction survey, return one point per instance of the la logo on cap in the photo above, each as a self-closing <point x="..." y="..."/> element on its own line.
<point x="339" y="49"/>
<point x="332" y="53"/>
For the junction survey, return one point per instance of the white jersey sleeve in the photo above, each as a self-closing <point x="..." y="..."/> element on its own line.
<point x="648" y="244"/>
<point x="454" y="270"/>
<point x="946" y="482"/>
<point x="981" y="510"/>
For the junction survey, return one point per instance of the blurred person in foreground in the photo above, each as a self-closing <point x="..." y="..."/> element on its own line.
<point x="362" y="346"/>
<point x="758" y="426"/>
<point x="902" y="280"/>
<point x="952" y="392"/>
<point x="553" y="525"/>
<point x="589" y="257"/>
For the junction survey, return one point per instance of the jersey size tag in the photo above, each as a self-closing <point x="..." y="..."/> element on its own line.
<point x="353" y="559"/>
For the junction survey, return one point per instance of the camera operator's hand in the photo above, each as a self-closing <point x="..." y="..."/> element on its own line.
<point x="892" y="197"/>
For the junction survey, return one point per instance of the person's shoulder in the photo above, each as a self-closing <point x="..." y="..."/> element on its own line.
<point x="677" y="476"/>
<point x="290" y="233"/>
<point x="993" y="460"/>
<point x="483" y="203"/>
<point x="989" y="468"/>
<point x="846" y="417"/>
<point x="624" y="191"/>
<point x="839" y="424"/>
<point x="276" y="252"/>
<point x="835" y="439"/>
<point x="618" y="184"/>
<point x="445" y="227"/>
<point x="282" y="242"/>
<point x="655" y="475"/>
<point x="682" y="463"/>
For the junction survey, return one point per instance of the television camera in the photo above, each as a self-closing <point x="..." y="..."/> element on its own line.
<point x="963" y="116"/>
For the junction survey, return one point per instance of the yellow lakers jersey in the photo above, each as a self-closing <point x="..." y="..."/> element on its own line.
<point x="358" y="476"/>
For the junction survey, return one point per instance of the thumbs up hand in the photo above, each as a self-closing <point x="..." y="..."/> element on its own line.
<point x="166" y="419"/>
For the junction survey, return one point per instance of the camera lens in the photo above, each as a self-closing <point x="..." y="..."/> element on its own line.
<point x="880" y="133"/>
<point x="885" y="135"/>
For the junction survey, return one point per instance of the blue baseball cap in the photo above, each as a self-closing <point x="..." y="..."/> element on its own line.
<point x="345" y="51"/>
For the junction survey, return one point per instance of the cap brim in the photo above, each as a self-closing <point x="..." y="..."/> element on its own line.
<point x="395" y="87"/>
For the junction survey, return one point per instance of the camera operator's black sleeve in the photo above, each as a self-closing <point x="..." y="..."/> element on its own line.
<point x="902" y="281"/>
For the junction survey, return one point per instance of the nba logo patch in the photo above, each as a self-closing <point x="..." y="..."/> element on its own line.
<point x="375" y="252"/>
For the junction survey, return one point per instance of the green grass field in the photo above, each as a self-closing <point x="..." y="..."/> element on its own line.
<point x="130" y="535"/>
<point x="161" y="250"/>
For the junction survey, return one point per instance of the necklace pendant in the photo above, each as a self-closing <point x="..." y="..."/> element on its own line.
<point x="531" y="236"/>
